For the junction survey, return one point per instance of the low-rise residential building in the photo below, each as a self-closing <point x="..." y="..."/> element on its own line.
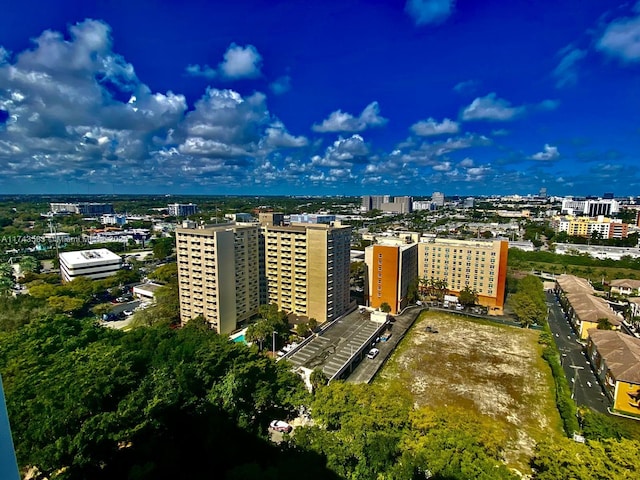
<point x="616" y="357"/>
<point x="625" y="286"/>
<point x="587" y="227"/>
<point x="93" y="264"/>
<point x="82" y="208"/>
<point x="583" y="309"/>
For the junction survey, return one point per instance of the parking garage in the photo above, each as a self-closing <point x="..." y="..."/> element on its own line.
<point x="340" y="346"/>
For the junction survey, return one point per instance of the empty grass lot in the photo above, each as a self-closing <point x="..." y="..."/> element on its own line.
<point x="484" y="368"/>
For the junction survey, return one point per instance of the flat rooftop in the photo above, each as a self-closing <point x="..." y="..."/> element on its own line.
<point x="334" y="346"/>
<point x="89" y="256"/>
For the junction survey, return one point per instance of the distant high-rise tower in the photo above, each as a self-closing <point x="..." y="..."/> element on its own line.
<point x="438" y="199"/>
<point x="543" y="192"/>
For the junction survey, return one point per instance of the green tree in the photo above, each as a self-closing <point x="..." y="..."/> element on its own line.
<point x="604" y="324"/>
<point x="313" y="324"/>
<point x="101" y="309"/>
<point x="449" y="443"/>
<point x="564" y="458"/>
<point x="303" y="329"/>
<point x="91" y="402"/>
<point x="318" y="379"/>
<point x="259" y="332"/>
<point x="526" y="309"/>
<point x="165" y="273"/>
<point x="162" y="247"/>
<point x="29" y="264"/>
<point x="468" y="296"/>
<point x="65" y="304"/>
<point x="385" y="307"/>
<point x="412" y="290"/>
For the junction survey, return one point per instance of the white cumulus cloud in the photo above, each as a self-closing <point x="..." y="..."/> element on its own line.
<point x="425" y="12"/>
<point x="239" y="62"/>
<point x="492" y="108"/>
<point x="548" y="153"/>
<point x="430" y="127"/>
<point x="340" y="121"/>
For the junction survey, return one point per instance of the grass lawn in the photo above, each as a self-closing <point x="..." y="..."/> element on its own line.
<point x="484" y="368"/>
<point x="594" y="273"/>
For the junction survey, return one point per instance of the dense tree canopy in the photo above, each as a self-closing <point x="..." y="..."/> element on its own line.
<point x="151" y="403"/>
<point x="528" y="303"/>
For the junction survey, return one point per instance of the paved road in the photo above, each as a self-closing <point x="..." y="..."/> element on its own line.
<point x="583" y="382"/>
<point x="368" y="367"/>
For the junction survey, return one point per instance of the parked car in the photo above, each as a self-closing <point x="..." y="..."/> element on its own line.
<point x="127" y="313"/>
<point x="373" y="353"/>
<point x="280" y="426"/>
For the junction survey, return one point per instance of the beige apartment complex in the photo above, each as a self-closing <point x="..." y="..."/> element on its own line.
<point x="307" y="269"/>
<point x="218" y="274"/>
<point x="480" y="264"/>
<point x="226" y="271"/>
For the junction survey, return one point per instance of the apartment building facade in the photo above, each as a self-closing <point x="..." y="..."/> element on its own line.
<point x="478" y="264"/>
<point x="306" y="269"/>
<point x="218" y="274"/>
<point x="391" y="267"/>
<point x="586" y="226"/>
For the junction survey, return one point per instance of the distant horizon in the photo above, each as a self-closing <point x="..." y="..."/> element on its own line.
<point x="266" y="195"/>
<point x="322" y="98"/>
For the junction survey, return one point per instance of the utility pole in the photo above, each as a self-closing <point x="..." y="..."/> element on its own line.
<point x="274" y="344"/>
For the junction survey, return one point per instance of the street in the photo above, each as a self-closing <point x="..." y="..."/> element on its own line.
<point x="582" y="381"/>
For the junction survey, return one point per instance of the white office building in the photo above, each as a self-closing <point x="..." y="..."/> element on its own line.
<point x="93" y="264"/>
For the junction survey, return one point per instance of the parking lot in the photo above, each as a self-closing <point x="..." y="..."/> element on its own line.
<point x="338" y="345"/>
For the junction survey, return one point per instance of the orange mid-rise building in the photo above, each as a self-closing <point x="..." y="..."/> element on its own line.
<point x="479" y="264"/>
<point x="391" y="268"/>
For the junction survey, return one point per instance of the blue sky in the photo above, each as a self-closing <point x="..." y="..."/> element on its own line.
<point x="334" y="97"/>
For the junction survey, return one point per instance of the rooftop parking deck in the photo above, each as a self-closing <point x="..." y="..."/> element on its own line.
<point x="335" y="348"/>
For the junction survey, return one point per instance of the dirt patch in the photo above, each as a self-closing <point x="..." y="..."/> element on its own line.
<point x="485" y="368"/>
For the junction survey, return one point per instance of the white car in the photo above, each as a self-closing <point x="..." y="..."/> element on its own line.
<point x="373" y="353"/>
<point x="127" y="313"/>
<point x="280" y="426"/>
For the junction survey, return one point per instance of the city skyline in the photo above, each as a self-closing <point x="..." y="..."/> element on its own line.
<point x="331" y="98"/>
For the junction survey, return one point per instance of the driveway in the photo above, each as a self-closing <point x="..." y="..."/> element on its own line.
<point x="368" y="367"/>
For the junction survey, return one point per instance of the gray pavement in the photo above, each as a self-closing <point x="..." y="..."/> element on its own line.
<point x="369" y="367"/>
<point x="584" y="384"/>
<point x="117" y="309"/>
